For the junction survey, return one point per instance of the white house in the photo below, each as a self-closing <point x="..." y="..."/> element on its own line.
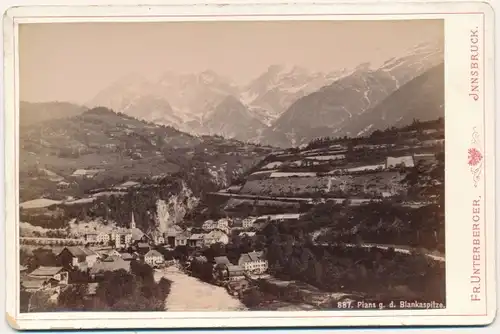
<point x="123" y="239"/>
<point x="216" y="236"/>
<point x="153" y="257"/>
<point x="223" y="224"/>
<point x="196" y="240"/>
<point x="248" y="222"/>
<point x="91" y="237"/>
<point x="253" y="262"/>
<point x="158" y="238"/>
<point x="103" y="238"/>
<point x="209" y="225"/>
<point x="182" y="238"/>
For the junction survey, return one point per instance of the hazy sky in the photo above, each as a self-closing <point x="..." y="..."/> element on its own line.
<point x="74" y="61"/>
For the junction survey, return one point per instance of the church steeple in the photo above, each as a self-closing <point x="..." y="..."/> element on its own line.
<point x="132" y="222"/>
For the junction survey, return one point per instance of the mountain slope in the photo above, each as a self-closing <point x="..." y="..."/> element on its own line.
<point x="121" y="147"/>
<point x="231" y="119"/>
<point x="330" y="108"/>
<point x="32" y="113"/>
<point x="334" y="110"/>
<point x="422" y="98"/>
<point x="153" y="109"/>
<point x="271" y="93"/>
<point x="174" y="99"/>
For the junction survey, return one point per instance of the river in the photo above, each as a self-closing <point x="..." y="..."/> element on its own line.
<point x="190" y="294"/>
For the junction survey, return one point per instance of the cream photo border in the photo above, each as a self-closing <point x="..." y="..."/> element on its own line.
<point x="470" y="194"/>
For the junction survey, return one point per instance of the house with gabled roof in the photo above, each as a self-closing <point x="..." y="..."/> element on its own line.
<point x="216" y="236"/>
<point x="253" y="262"/>
<point x="196" y="240"/>
<point x="235" y="273"/>
<point x="182" y="238"/>
<point x="221" y="260"/>
<point x="154" y="258"/>
<point x="77" y="257"/>
<point x="209" y="225"/>
<point x="44" y="277"/>
<point x="127" y="256"/>
<point x="112" y="263"/>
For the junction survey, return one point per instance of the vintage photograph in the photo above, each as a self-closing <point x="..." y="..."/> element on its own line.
<point x="232" y="166"/>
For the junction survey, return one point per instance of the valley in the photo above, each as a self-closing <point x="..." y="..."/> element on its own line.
<point x="309" y="213"/>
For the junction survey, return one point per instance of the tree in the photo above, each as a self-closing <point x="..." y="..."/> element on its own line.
<point x="252" y="298"/>
<point x="72" y="298"/>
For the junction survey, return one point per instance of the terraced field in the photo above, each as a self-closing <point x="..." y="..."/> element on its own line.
<point x="376" y="184"/>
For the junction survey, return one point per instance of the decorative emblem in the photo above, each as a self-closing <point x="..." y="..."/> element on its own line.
<point x="475" y="157"/>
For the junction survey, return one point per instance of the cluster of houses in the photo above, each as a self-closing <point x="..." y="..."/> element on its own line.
<point x="212" y="232"/>
<point x="235" y="276"/>
<point x="119" y="247"/>
<point x="118" y="237"/>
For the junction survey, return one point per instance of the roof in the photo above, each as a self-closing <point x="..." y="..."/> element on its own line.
<point x="127" y="256"/>
<point x="221" y="260"/>
<point x="248" y="234"/>
<point x="215" y="234"/>
<point x="184" y="234"/>
<point x="137" y="234"/>
<point x="153" y="253"/>
<point x="46" y="271"/>
<point x="174" y="231"/>
<point x="143" y="245"/>
<point x="251" y="257"/>
<point x="235" y="270"/>
<point x="78" y="251"/>
<point x="197" y="236"/>
<point x="112" y="263"/>
<point x="33" y="283"/>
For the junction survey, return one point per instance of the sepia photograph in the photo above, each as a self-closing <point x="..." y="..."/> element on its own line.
<point x="226" y="166"/>
<point x="221" y="167"/>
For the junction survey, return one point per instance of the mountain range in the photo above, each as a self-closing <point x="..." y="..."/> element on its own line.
<point x="286" y="105"/>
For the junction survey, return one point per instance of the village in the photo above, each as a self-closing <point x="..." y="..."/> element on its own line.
<point x="98" y="252"/>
